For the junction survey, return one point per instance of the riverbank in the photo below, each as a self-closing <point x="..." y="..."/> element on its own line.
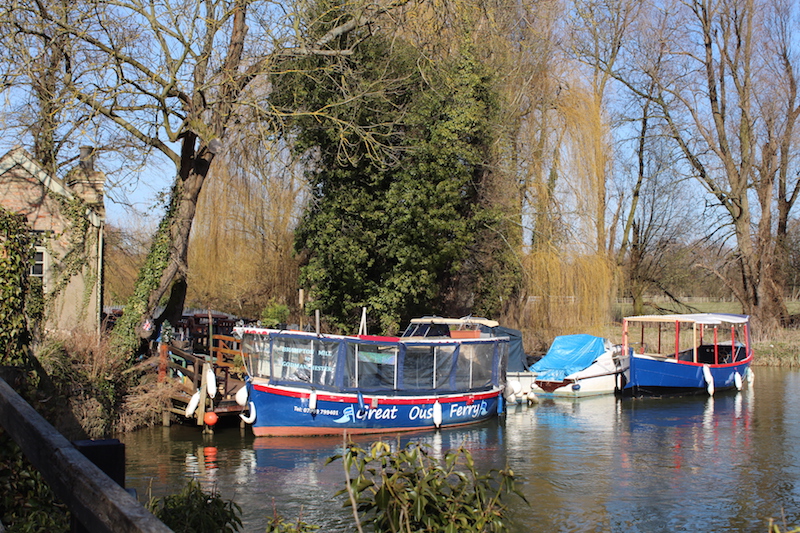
<point x="782" y="350"/>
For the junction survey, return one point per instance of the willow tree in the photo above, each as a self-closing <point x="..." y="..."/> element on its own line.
<point x="174" y="80"/>
<point x="552" y="154"/>
<point x="241" y="255"/>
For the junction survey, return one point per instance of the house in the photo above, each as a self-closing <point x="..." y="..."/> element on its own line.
<point x="67" y="220"/>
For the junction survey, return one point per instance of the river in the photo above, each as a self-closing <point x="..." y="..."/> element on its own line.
<point x="727" y="463"/>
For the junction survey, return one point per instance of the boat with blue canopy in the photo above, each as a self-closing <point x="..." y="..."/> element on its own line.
<point x="579" y="365"/>
<point x="441" y="373"/>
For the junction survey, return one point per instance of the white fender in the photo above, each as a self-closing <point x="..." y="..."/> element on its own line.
<point x="211" y="382"/>
<point x="312" y="400"/>
<point x="709" y="380"/>
<point x="437" y="414"/>
<point x="241" y="396"/>
<point x="737" y="380"/>
<point x="512" y="399"/>
<point x="532" y="398"/>
<point x="750" y="376"/>
<point x="516" y="386"/>
<point x="194" y="401"/>
<point x="251" y="417"/>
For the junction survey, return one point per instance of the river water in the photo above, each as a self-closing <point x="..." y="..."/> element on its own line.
<point x="602" y="464"/>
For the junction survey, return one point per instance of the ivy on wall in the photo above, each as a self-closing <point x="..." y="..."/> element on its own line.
<point x="82" y="244"/>
<point x="16" y="255"/>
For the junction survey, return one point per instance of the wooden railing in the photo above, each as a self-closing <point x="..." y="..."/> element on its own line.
<point x="95" y="500"/>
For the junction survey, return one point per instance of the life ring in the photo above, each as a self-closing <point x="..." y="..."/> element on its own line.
<point x="194" y="401"/>
<point x="249" y="419"/>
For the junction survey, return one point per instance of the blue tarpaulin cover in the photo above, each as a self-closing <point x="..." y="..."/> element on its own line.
<point x="568" y="354"/>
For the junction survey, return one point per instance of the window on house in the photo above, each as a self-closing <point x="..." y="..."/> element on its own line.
<point x="39" y="262"/>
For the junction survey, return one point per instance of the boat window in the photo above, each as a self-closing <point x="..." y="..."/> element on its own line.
<point x="371" y="366"/>
<point x="427" y="330"/>
<point x="474" y="367"/>
<point x="418" y="367"/>
<point x="256" y="350"/>
<point x="428" y="367"/>
<point x="306" y="360"/>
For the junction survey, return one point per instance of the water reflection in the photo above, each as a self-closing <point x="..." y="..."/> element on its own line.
<point x="596" y="464"/>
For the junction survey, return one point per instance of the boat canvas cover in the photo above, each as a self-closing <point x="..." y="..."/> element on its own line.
<point x="516" y="352"/>
<point x="568" y="354"/>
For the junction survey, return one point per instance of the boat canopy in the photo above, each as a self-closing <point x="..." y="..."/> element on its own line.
<point x="568" y="354"/>
<point x="458" y="322"/>
<point x="697" y="318"/>
<point x="469" y="327"/>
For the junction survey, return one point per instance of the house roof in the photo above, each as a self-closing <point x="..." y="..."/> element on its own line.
<point x="19" y="157"/>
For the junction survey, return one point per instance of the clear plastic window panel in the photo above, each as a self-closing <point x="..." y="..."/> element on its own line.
<point x="371" y="366"/>
<point x="418" y="368"/>
<point x="474" y="366"/>
<point x="304" y="360"/>
<point x="444" y="365"/>
<point x="256" y="350"/>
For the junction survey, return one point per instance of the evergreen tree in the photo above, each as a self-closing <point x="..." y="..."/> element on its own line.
<point x="400" y="235"/>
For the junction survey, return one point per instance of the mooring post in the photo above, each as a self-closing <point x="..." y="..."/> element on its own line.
<point x="163" y="356"/>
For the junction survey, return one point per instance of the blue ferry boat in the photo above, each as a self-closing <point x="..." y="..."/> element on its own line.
<point x="442" y="372"/>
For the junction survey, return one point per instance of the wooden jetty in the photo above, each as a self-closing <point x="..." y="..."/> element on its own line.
<point x="190" y="368"/>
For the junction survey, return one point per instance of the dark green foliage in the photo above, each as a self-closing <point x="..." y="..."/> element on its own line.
<point x="16" y="253"/>
<point x="194" y="511"/>
<point x="408" y="490"/>
<point x="26" y="501"/>
<point x="399" y="151"/>
<point x="274" y="314"/>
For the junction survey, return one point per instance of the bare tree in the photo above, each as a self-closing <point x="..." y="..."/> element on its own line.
<point x="176" y="79"/>
<point x="721" y="75"/>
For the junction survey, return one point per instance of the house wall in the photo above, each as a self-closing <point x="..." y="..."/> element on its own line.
<point x="73" y="301"/>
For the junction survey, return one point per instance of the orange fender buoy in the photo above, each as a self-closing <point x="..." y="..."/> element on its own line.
<point x="210" y="418"/>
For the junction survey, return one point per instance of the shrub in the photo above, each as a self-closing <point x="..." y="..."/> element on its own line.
<point x="408" y="490"/>
<point x="26" y="501"/>
<point x="274" y="314"/>
<point x="194" y="511"/>
<point x="278" y="524"/>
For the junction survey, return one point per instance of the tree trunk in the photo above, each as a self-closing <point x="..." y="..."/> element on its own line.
<point x="178" y="219"/>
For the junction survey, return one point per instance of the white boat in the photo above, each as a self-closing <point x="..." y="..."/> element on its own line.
<point x="575" y="366"/>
